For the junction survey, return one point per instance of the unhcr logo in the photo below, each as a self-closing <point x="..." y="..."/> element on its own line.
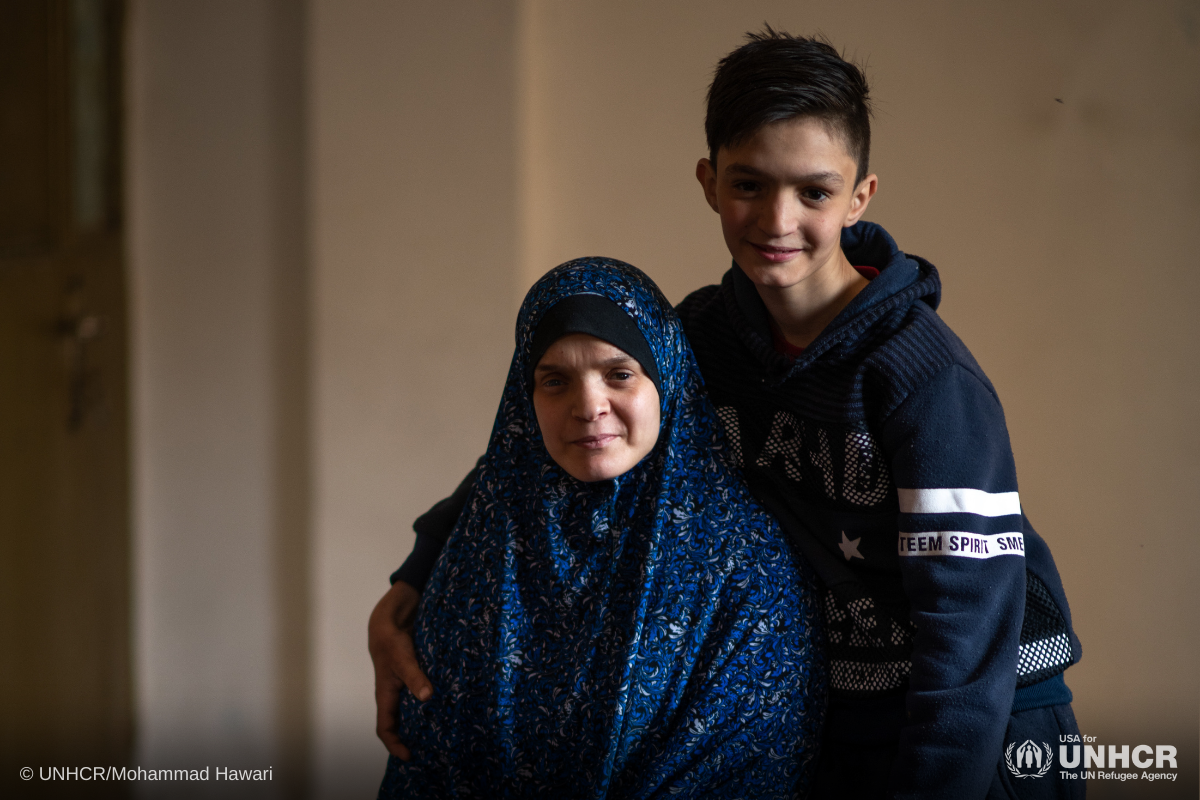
<point x="1031" y="761"/>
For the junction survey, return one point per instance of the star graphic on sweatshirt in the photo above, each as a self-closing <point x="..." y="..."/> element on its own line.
<point x="850" y="547"/>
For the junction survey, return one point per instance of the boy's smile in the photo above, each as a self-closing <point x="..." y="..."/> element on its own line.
<point x="784" y="196"/>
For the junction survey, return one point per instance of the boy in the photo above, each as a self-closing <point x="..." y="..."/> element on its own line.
<point x="867" y="428"/>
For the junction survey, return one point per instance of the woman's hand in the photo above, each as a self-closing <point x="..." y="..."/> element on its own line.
<point x="390" y="641"/>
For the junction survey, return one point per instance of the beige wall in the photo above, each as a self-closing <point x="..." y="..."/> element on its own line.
<point x="215" y="188"/>
<point x="414" y="230"/>
<point x="455" y="151"/>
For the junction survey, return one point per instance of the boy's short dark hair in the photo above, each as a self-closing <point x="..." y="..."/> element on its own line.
<point x="777" y="76"/>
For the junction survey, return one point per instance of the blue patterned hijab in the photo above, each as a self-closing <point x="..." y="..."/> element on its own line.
<point x="648" y="635"/>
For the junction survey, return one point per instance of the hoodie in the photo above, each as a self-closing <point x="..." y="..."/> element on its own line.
<point x="883" y="451"/>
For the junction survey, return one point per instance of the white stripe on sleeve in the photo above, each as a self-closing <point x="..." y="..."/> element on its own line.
<point x="959" y="501"/>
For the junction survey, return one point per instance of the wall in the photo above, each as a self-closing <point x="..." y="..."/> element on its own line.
<point x="414" y="230"/>
<point x="218" y="297"/>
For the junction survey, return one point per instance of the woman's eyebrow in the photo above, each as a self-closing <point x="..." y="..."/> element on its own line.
<point x="608" y="362"/>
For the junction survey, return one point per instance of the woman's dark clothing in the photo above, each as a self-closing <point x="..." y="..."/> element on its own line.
<point x="646" y="636"/>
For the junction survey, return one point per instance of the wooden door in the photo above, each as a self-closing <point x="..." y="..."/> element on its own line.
<point x="65" y="688"/>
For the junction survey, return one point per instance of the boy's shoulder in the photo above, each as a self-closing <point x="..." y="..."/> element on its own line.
<point x="697" y="301"/>
<point x="917" y="354"/>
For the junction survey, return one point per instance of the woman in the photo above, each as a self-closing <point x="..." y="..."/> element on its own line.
<point x="613" y="615"/>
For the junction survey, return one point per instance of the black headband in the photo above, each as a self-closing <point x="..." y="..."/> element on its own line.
<point x="597" y="316"/>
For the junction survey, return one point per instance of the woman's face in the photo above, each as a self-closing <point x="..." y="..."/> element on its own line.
<point x="597" y="408"/>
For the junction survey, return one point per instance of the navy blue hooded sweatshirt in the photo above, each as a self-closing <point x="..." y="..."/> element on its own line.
<point x="884" y="453"/>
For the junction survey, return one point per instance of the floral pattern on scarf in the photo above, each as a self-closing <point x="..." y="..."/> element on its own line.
<point x="649" y="636"/>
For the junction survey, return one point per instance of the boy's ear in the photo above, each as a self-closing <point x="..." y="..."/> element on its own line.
<point x="862" y="197"/>
<point x="707" y="175"/>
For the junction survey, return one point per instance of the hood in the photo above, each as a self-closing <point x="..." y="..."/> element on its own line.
<point x="903" y="280"/>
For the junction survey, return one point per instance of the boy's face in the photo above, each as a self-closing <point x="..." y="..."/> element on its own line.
<point x="784" y="196"/>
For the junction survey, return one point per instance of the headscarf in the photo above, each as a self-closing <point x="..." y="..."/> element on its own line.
<point x="645" y="635"/>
